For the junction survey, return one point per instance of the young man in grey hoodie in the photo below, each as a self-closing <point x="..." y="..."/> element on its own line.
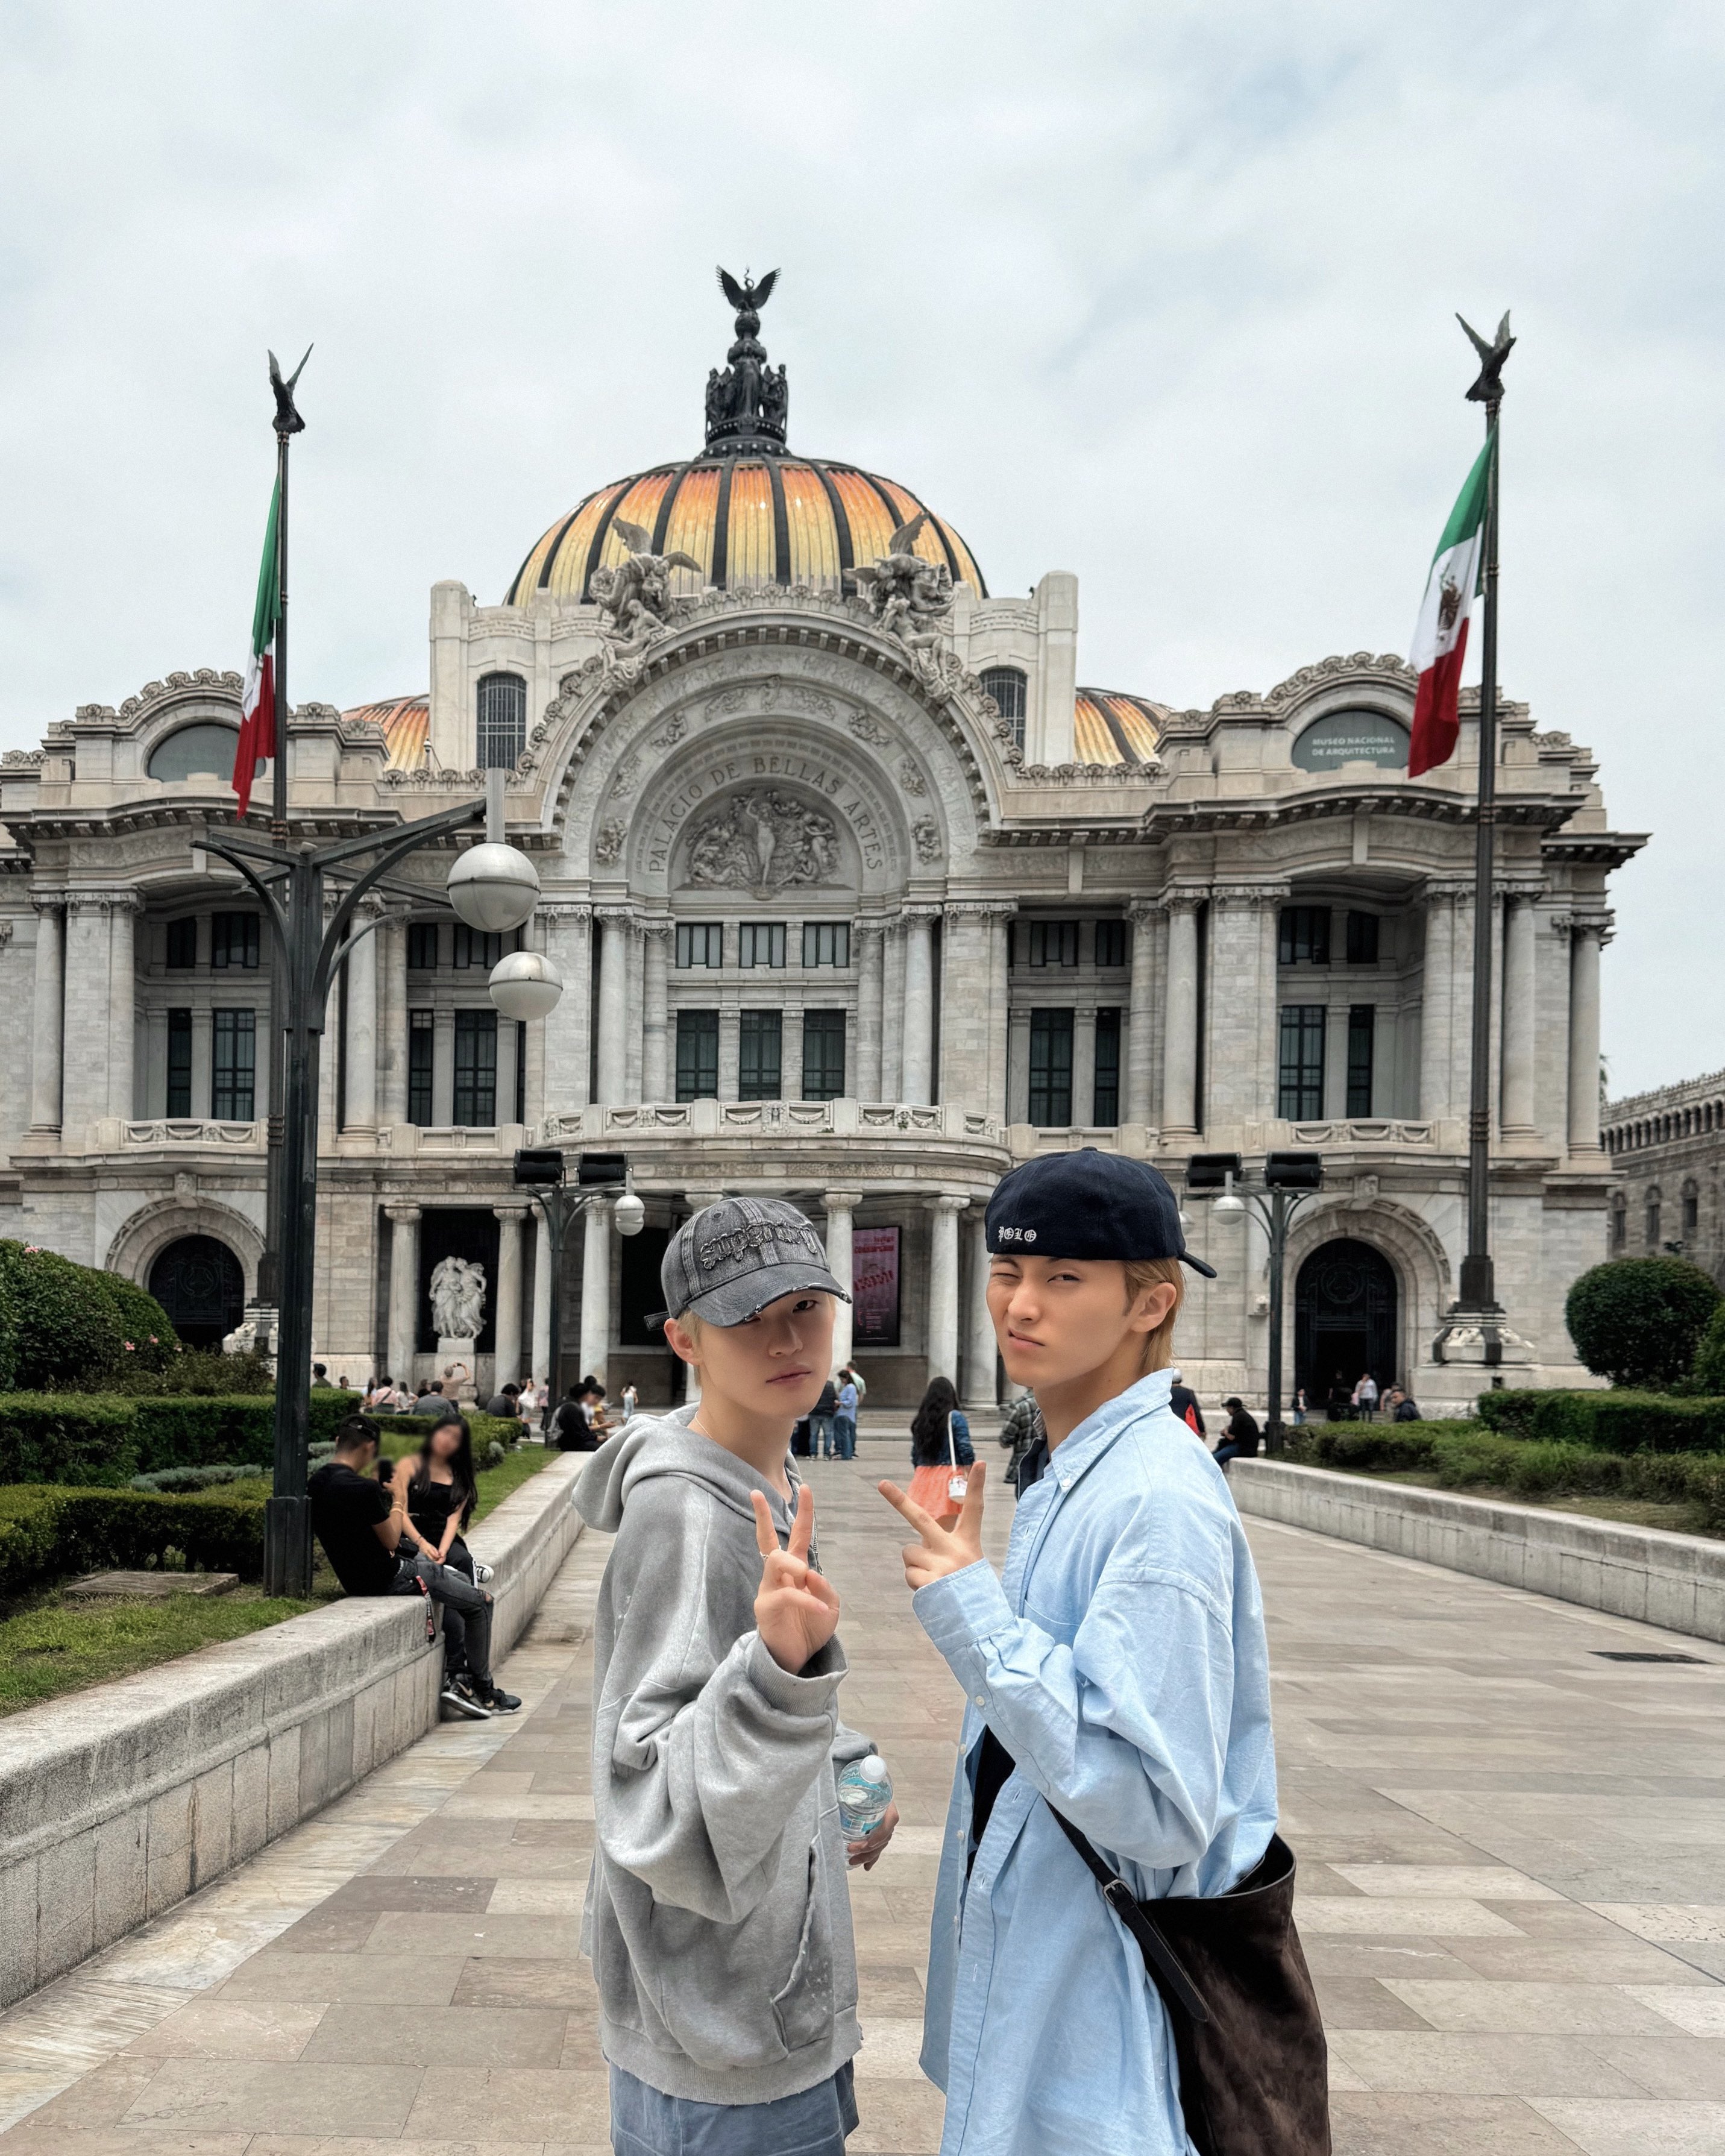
<point x="718" y="1920"/>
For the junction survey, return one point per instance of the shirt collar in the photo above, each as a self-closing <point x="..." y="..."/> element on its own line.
<point x="1097" y="1431"/>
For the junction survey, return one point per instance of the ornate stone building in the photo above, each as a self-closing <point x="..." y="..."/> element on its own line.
<point x="1667" y="1153"/>
<point x="859" y="896"/>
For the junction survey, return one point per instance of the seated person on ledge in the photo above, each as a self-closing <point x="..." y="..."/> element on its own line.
<point x="363" y="1525"/>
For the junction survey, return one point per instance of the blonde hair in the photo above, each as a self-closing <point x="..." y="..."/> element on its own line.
<point x="1144" y="1273"/>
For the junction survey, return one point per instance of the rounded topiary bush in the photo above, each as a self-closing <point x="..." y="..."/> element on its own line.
<point x="63" y="1325"/>
<point x="1708" y="1374"/>
<point x="1639" y="1320"/>
<point x="148" y="1343"/>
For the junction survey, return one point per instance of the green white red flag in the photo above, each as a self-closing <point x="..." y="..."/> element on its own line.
<point x="257" y="717"/>
<point x="1440" y="635"/>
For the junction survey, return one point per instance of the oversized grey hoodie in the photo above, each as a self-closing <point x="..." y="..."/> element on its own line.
<point x="718" y="1918"/>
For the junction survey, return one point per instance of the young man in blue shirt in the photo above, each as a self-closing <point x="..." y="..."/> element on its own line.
<point x="1119" y="1666"/>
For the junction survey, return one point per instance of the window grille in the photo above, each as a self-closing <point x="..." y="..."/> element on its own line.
<point x="826" y="944"/>
<point x="476" y="1068"/>
<point x="697" y="1056"/>
<point x="1620" y="1224"/>
<point x="233" y="1066"/>
<point x="477" y="947"/>
<point x="1305" y="936"/>
<point x="181" y="945"/>
<point x="761" y="943"/>
<point x="1007" y="686"/>
<point x="1301" y="1088"/>
<point x="421" y="946"/>
<point x="700" y="944"/>
<point x="760" y="1055"/>
<point x="1692" y="1209"/>
<point x="1361" y="1030"/>
<point x="823" y="1055"/>
<point x="1361" y="938"/>
<point x="1105" y="1110"/>
<point x="502" y="727"/>
<point x="1110" y="943"/>
<point x="1650" y="1219"/>
<point x="179" y="1063"/>
<point x="1051" y="942"/>
<point x="421" y="1034"/>
<point x="233" y="941"/>
<point x="1051" y="1067"/>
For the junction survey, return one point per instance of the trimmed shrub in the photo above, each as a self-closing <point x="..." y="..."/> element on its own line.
<point x="148" y="1343"/>
<point x="211" y="1477"/>
<point x="73" y="1438"/>
<point x="197" y="1370"/>
<point x="47" y="1530"/>
<point x="1639" y="1320"/>
<point x="1708" y="1374"/>
<point x="60" y="1323"/>
<point x="1395" y="1446"/>
<point x="1609" y="1422"/>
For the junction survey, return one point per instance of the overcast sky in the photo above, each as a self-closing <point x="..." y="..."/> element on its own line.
<point x="1161" y="294"/>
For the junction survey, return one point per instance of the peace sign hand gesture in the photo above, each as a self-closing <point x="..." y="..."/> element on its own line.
<point x="796" y="1610"/>
<point x="942" y="1550"/>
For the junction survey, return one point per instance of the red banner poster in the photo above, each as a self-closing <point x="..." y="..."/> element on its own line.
<point x="873" y="1286"/>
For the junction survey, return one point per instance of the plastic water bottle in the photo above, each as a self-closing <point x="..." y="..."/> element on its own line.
<point x="865" y="1793"/>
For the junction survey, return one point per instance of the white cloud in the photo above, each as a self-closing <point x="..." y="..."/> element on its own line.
<point x="1161" y="295"/>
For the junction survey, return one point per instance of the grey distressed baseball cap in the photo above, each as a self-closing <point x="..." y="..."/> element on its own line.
<point x="731" y="1259"/>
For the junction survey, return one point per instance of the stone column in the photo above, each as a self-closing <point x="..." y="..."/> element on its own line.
<point x="48" y="1015"/>
<point x="204" y="1062"/>
<point x="1179" y="1061"/>
<point x="840" y="1205"/>
<point x="892" y="1004"/>
<point x="596" y="1284"/>
<point x="1437" y="1005"/>
<point x="443" y="1068"/>
<point x="1084" y="1065"/>
<point x="506" y="1357"/>
<point x="90" y="1018"/>
<point x="864" y="1084"/>
<point x="509" y="1043"/>
<point x="404" y="1290"/>
<point x="981" y="1370"/>
<point x="1520" y="1013"/>
<point x="1585" y="938"/>
<point x="634" y="1058"/>
<point x="567" y="1029"/>
<point x="1140" y="1072"/>
<point x="362" y="1041"/>
<point x="656" y="1050"/>
<point x="613" y="940"/>
<point x="999" y="1005"/>
<point x="918" y="1081"/>
<point x="944" y="1288"/>
<point x="966" y="1019"/>
<point x="541" y="1300"/>
<point x="393" y="1024"/>
<point x="122" y="1007"/>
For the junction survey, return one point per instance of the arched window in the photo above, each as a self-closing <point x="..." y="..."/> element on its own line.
<point x="1620" y="1224"/>
<point x="1007" y="686"/>
<point x="1650" y="1217"/>
<point x="207" y="748"/>
<point x="1691" y="1208"/>
<point x="502" y="720"/>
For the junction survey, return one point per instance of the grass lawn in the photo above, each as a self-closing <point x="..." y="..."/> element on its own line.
<point x="1627" y="1511"/>
<point x="49" y="1645"/>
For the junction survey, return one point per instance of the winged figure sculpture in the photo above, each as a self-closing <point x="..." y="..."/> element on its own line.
<point x="908" y="597"/>
<point x="1489" y="387"/>
<point x="748" y="298"/>
<point x="287" y="417"/>
<point x="636" y="592"/>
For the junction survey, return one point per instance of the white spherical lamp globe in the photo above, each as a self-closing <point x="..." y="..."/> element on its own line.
<point x="494" y="887"/>
<point x="525" y="984"/>
<point x="629" y="1214"/>
<point x="1228" y="1207"/>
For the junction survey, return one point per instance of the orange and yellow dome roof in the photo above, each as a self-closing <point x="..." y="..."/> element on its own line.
<point x="751" y="521"/>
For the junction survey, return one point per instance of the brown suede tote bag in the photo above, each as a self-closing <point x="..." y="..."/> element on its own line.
<point x="1253" y="2066"/>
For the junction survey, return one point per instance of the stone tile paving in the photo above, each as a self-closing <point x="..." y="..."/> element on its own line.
<point x="1512" y="1869"/>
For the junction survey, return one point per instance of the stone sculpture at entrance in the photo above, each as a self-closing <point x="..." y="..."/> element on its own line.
<point x="458" y="1311"/>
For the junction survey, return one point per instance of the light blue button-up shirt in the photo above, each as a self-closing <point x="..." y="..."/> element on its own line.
<point x="1122" y="1660"/>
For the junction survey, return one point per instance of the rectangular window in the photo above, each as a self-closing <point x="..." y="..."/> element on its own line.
<point x="421" y="946"/>
<point x="234" y="1066"/>
<point x="823" y="1055"/>
<point x="700" y="944"/>
<point x="477" y="947"/>
<point x="826" y="942"/>
<point x="1304" y="937"/>
<point x="1106" y="1112"/>
<point x="761" y="943"/>
<point x="179" y="1063"/>
<point x="1050" y="1065"/>
<point x="476" y="1068"/>
<point x="1051" y="942"/>
<point x="1362" y="1026"/>
<point x="1361" y="938"/>
<point x="1110" y="943"/>
<point x="1302" y="1091"/>
<point x="760" y="1055"/>
<point x="421" y="1033"/>
<point x="233" y="941"/>
<point x="697" y="1056"/>
<point x="181" y="945"/>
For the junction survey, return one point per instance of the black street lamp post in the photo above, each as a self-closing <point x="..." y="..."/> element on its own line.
<point x="1290" y="1178"/>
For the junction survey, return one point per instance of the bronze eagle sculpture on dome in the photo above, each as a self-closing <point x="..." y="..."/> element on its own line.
<point x="748" y="298"/>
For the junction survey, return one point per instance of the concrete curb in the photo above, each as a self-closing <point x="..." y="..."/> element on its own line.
<point x="1675" y="1581"/>
<point x="118" y="1801"/>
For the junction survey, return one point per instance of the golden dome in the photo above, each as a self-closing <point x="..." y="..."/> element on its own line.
<point x="752" y="521"/>
<point x="1110" y="726"/>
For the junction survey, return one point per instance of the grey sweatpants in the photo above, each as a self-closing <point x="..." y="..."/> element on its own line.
<point x="467" y="1612"/>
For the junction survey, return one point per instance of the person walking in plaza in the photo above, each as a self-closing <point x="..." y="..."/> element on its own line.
<point x="718" y="1919"/>
<point x="1020" y="1428"/>
<point x="1365" y="1399"/>
<point x="939" y="1451"/>
<point x="821" y="1417"/>
<point x="631" y="1401"/>
<point x="1116" y="1722"/>
<point x="845" y="1422"/>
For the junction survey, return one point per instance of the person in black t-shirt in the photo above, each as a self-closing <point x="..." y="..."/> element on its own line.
<point x="362" y="1524"/>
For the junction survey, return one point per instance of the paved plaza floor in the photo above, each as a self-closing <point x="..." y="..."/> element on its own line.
<point x="1513" y="1865"/>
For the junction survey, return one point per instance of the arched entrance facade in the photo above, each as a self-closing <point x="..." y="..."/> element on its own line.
<point x="1347" y="1319"/>
<point x="201" y="1285"/>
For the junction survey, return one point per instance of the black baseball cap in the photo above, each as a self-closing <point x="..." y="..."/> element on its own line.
<point x="732" y="1259"/>
<point x="1087" y="1205"/>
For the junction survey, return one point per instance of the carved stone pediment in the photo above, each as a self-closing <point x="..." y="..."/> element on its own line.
<point x="764" y="840"/>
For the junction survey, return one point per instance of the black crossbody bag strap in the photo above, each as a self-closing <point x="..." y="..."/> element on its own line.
<point x="1164" y="1965"/>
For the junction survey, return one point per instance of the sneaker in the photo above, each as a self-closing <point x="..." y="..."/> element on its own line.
<point x="461" y="1698"/>
<point x="481" y="1573"/>
<point x="499" y="1701"/>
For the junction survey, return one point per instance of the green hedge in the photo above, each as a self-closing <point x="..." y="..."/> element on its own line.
<point x="1463" y="1454"/>
<point x="1609" y="1422"/>
<point x="49" y="1531"/>
<point x="66" y="1324"/>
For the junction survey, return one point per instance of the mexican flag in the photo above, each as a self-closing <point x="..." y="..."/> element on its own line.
<point x="1440" y="636"/>
<point x="257" y="719"/>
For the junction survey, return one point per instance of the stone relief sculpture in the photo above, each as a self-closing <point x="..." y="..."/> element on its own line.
<point x="761" y="841"/>
<point x="909" y="597"/>
<point x="633" y="598"/>
<point x="458" y="1298"/>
